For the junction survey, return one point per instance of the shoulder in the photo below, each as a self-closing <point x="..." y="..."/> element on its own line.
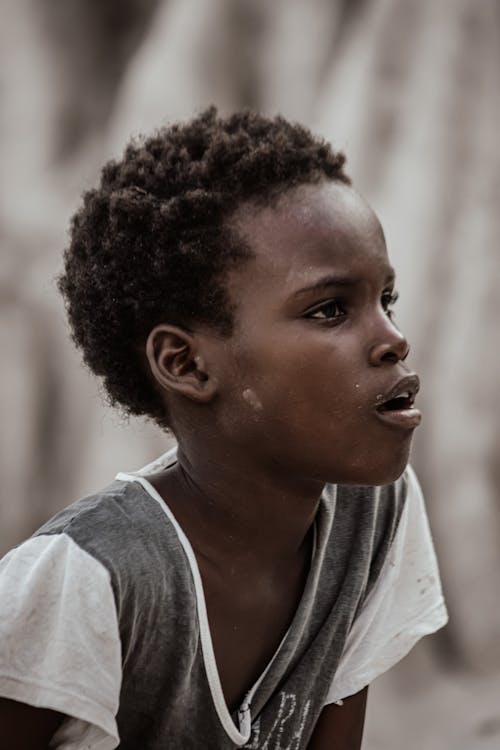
<point x="117" y="526"/>
<point x="119" y="536"/>
<point x="115" y="505"/>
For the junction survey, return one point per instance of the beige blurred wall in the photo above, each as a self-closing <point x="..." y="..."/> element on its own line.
<point x="410" y="89"/>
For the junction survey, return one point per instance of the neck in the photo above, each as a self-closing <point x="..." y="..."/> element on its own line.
<point x="226" y="503"/>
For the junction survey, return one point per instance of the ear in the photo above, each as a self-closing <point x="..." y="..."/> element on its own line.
<point x="177" y="363"/>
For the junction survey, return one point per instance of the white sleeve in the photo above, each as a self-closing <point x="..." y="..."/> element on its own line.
<point x="59" y="639"/>
<point x="405" y="604"/>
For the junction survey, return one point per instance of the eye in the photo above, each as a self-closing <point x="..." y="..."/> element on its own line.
<point x="329" y="310"/>
<point x="388" y="300"/>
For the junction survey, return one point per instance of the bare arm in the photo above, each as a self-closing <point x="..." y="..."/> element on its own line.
<point x="341" y="727"/>
<point x="26" y="727"/>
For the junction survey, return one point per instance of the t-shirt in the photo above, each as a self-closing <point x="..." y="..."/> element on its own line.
<point x="103" y="618"/>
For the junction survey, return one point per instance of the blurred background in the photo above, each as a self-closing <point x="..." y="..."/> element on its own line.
<point x="410" y="90"/>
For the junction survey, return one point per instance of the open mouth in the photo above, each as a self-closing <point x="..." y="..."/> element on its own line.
<point x="404" y="401"/>
<point x="397" y="407"/>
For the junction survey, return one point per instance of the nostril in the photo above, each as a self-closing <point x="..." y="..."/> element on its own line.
<point x="389" y="352"/>
<point x="391" y="357"/>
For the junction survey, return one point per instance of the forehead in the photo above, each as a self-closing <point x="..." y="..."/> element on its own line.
<point x="311" y="231"/>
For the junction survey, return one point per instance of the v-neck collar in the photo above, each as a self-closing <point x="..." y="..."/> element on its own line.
<point x="257" y="696"/>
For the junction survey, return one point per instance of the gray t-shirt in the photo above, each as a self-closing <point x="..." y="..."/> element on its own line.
<point x="120" y="561"/>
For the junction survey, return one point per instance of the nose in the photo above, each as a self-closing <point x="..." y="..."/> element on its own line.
<point x="391" y="348"/>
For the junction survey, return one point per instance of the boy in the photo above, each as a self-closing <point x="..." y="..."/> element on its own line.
<point x="244" y="589"/>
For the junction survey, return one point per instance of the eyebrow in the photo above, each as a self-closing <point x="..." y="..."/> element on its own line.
<point x="338" y="281"/>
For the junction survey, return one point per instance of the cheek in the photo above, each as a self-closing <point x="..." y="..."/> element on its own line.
<point x="330" y="386"/>
<point x="284" y="379"/>
<point x="305" y="401"/>
<point x="251" y="398"/>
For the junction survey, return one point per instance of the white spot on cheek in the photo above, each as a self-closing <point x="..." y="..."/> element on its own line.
<point x="252" y="399"/>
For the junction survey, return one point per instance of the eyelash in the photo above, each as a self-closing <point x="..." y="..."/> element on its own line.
<point x="313" y="314"/>
<point x="388" y="300"/>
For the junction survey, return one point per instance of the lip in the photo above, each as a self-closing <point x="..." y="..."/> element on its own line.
<point x="407" y="417"/>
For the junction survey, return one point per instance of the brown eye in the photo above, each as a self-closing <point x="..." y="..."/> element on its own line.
<point x="327" y="311"/>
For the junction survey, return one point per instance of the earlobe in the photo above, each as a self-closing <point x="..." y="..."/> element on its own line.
<point x="177" y="364"/>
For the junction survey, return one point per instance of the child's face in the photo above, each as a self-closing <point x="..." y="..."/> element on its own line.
<point x="314" y="353"/>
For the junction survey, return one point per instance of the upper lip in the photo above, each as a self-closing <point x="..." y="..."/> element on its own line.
<point x="407" y="386"/>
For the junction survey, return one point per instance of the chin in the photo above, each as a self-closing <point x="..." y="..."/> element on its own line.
<point x="389" y="474"/>
<point x="387" y="477"/>
<point x="376" y="472"/>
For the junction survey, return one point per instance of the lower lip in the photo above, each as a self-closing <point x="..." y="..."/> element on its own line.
<point x="406" y="419"/>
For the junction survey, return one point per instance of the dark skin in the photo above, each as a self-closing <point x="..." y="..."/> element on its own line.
<point x="284" y="405"/>
<point x="26" y="727"/>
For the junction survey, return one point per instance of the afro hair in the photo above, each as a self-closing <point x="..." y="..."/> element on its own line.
<point x="152" y="242"/>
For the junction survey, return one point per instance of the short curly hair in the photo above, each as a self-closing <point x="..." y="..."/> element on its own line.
<point x="153" y="241"/>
